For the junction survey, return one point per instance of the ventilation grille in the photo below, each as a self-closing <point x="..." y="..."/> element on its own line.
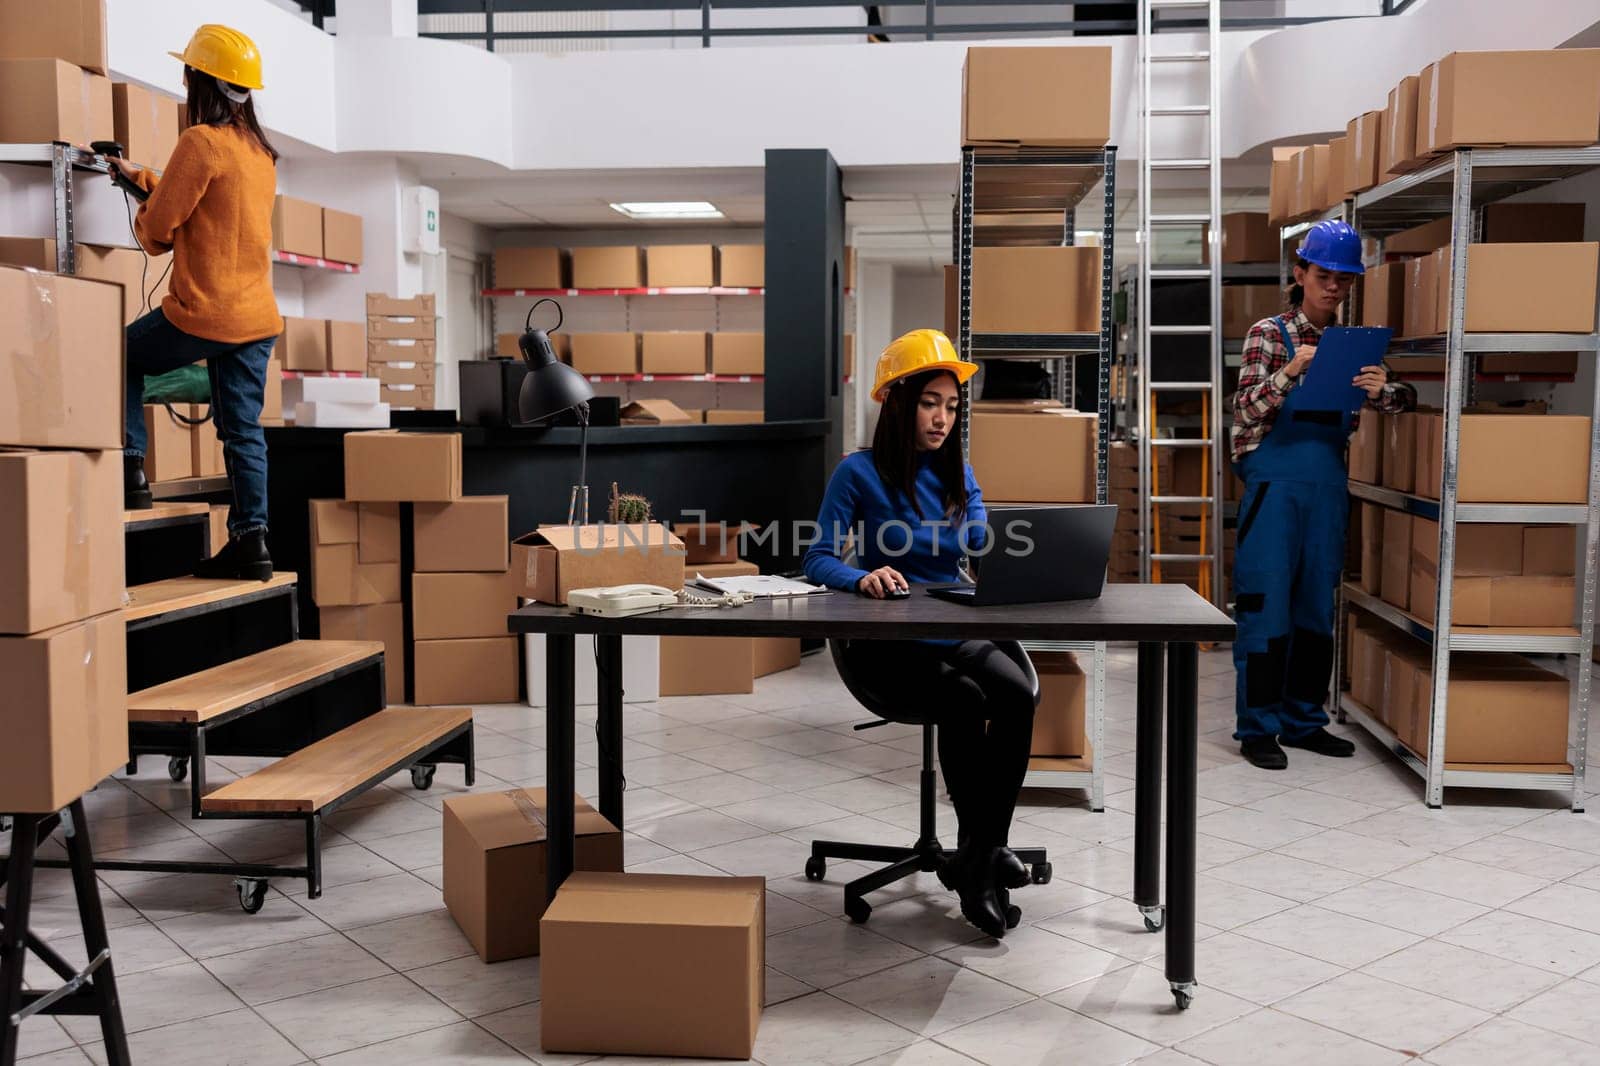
<point x="524" y="22"/>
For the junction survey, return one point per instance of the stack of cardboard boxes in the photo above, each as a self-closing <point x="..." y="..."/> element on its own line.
<point x="402" y="348"/>
<point x="734" y="266"/>
<point x="303" y="228"/>
<point x="1466" y="99"/>
<point x="1183" y="528"/>
<point x="62" y="638"/>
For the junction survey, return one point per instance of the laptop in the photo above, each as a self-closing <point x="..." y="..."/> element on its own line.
<point x="1040" y="555"/>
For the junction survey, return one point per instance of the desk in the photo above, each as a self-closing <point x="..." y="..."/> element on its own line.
<point x="1167" y="621"/>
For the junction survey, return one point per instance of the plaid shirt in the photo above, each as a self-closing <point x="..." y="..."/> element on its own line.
<point x="1263" y="384"/>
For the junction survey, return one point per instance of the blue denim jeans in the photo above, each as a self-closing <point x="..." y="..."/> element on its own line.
<point x="238" y="377"/>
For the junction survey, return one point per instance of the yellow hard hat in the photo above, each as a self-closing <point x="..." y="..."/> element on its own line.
<point x="914" y="352"/>
<point x="223" y="53"/>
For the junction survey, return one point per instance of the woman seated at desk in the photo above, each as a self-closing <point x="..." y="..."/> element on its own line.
<point x="919" y="511"/>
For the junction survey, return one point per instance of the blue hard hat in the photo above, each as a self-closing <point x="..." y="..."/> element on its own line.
<point x="1334" y="246"/>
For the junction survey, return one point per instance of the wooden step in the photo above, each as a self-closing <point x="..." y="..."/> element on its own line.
<point x="336" y="766"/>
<point x="176" y="512"/>
<point x="224" y="688"/>
<point x="186" y="593"/>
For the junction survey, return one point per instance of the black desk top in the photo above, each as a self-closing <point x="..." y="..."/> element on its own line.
<point x="1123" y="612"/>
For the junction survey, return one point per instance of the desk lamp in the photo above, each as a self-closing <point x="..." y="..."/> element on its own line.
<point x="550" y="388"/>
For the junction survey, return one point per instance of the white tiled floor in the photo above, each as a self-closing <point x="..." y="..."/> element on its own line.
<point x="1342" y="922"/>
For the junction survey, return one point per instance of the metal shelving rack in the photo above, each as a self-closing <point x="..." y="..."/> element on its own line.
<point x="64" y="160"/>
<point x="1458" y="186"/>
<point x="1054" y="180"/>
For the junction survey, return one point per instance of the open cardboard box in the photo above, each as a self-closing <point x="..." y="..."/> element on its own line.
<point x="553" y="560"/>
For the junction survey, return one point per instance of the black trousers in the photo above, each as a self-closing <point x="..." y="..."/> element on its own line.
<point x="983" y="710"/>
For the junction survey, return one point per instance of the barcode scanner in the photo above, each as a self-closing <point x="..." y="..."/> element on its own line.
<point x="113" y="150"/>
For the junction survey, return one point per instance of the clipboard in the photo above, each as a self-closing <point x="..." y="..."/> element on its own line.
<point x="1341" y="353"/>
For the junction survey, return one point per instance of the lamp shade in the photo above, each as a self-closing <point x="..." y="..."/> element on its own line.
<point x="550" y="386"/>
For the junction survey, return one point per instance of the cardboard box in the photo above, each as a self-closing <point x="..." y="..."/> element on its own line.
<point x="1512" y="288"/>
<point x="272" y="394"/>
<point x="1338" y="161"/>
<point x="652" y="412"/>
<point x="673" y="352"/>
<point x="296" y="226"/>
<point x="1399" y="153"/>
<point x="1399" y="454"/>
<point x="1036" y="290"/>
<point x="775" y="654"/>
<point x="1395" y="581"/>
<point x="731" y="416"/>
<point x="303" y="344"/>
<point x="451" y="606"/>
<point x="1493" y="464"/>
<point x="616" y="946"/>
<point x="1420" y="305"/>
<point x="1482" y="549"/>
<point x="52" y="100"/>
<point x="605" y="353"/>
<point x="530" y="268"/>
<point x="205" y="447"/>
<point x="388" y="465"/>
<point x="1419" y="240"/>
<point x="73" y="30"/>
<point x="145" y="124"/>
<point x="1041" y="97"/>
<point x="403" y="373"/>
<point x="1498" y="714"/>
<point x="347" y="346"/>
<point x="1364" y="134"/>
<point x="707" y="666"/>
<point x="418" y="328"/>
<point x="849" y="356"/>
<point x="1311" y="180"/>
<point x="1405" y="707"/>
<point x="382" y="622"/>
<point x="60" y="538"/>
<point x="1245" y="305"/>
<point x="1367" y="668"/>
<point x="1044" y="457"/>
<point x="61" y="357"/>
<point x="554" y="560"/>
<point x="1247" y="237"/>
<point x="608" y="268"/>
<point x="1058" y="723"/>
<point x="1532" y="223"/>
<point x="338" y="577"/>
<point x="494" y="865"/>
<point x="1549" y="550"/>
<point x="1383" y="296"/>
<point x="669" y="266"/>
<point x="742" y="266"/>
<point x="470" y="534"/>
<point x="1549" y="98"/>
<point x="420" y="306"/>
<point x="480" y="670"/>
<point x="341" y="236"/>
<point x="1281" y="187"/>
<point x="378" y="532"/>
<point x="401" y="351"/>
<point x="740" y="353"/>
<point x="66" y="712"/>
<point x="710" y="542"/>
<point x="1366" y="449"/>
<point x="1511" y="601"/>
<point x="417" y="397"/>
<point x="123" y="266"/>
<point x="169" y="443"/>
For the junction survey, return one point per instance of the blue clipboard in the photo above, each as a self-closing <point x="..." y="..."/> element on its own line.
<point x="1341" y="353"/>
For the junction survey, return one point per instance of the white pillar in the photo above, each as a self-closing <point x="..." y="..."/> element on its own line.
<point x="376" y="18"/>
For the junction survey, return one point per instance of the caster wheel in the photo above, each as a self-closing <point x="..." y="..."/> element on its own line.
<point x="1042" y="872"/>
<point x="422" y="777"/>
<point x="177" y="768"/>
<point x="1182" y="999"/>
<point x="858" y="910"/>
<point x="1155" y="918"/>
<point x="816" y="868"/>
<point x="1013" y="916"/>
<point x="252" y="893"/>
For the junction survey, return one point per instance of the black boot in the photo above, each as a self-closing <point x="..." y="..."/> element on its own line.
<point x="1264" y="753"/>
<point x="972" y="876"/>
<point x="135" y="489"/>
<point x="245" y="558"/>
<point x="1009" y="871"/>
<point x="1012" y="912"/>
<point x="1321" y="742"/>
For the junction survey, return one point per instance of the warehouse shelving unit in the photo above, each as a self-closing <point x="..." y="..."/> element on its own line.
<point x="1457" y="186"/>
<point x="64" y="161"/>
<point x="1031" y="181"/>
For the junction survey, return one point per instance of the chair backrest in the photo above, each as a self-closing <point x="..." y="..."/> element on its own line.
<point x="887" y="706"/>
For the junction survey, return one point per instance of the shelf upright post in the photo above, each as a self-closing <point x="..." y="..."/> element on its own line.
<point x="964" y="289"/>
<point x="61" y="187"/>
<point x="1454" y="395"/>
<point x="1578" y="730"/>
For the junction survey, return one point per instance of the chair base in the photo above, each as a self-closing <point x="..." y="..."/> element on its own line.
<point x="927" y="855"/>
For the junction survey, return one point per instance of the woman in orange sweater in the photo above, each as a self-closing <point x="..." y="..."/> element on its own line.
<point x="212" y="208"/>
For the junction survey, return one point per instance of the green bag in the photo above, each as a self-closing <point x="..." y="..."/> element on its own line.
<point x="187" y="384"/>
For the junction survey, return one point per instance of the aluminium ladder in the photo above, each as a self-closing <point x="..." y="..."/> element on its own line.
<point x="1152" y="494"/>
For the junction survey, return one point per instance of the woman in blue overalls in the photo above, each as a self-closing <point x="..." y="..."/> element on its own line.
<point x="1294" y="509"/>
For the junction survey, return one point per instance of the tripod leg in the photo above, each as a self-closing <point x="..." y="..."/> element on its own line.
<point x="87" y="889"/>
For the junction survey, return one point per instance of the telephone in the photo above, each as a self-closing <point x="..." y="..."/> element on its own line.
<point x="621" y="600"/>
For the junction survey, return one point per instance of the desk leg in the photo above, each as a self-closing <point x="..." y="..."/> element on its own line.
<point x="559" y="772"/>
<point x="1147" y="789"/>
<point x="608" y="653"/>
<point x="1183" y="684"/>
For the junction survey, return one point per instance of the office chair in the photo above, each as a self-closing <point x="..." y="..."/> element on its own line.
<point x="927" y="855"/>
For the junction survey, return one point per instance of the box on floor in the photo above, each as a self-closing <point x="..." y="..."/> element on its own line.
<point x="382" y="622"/>
<point x="705" y="666"/>
<point x="494" y="865"/>
<point x="614" y="946"/>
<point x="473" y="670"/>
<point x="1501" y="711"/>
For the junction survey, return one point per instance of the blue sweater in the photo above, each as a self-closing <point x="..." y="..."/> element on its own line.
<point x="857" y="496"/>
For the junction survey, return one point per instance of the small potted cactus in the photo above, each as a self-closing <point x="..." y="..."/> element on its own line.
<point x="627" y="508"/>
